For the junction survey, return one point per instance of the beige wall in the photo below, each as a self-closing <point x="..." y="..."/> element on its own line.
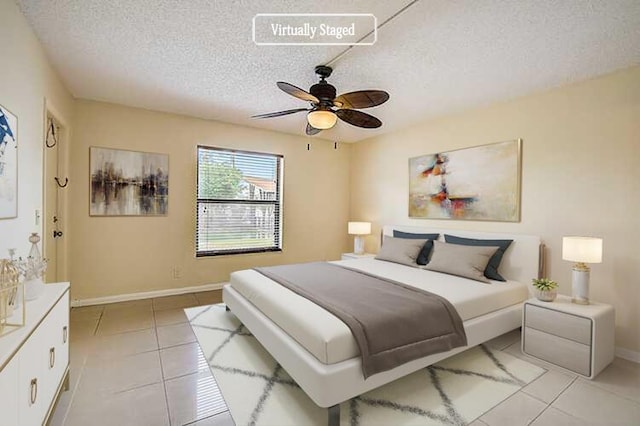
<point x="580" y="176"/>
<point x="26" y="80"/>
<point x="121" y="255"/>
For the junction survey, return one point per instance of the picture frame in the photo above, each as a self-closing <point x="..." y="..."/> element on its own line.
<point x="8" y="164"/>
<point x="477" y="183"/>
<point x="128" y="183"/>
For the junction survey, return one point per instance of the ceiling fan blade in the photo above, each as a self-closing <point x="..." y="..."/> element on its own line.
<point x="358" y="118"/>
<point x="361" y="99"/>
<point x="312" y="130"/>
<point x="297" y="92"/>
<point x="280" y="113"/>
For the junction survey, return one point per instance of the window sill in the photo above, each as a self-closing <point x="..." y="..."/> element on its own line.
<point x="234" y="252"/>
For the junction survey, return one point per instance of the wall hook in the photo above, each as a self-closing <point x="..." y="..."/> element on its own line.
<point x="62" y="185"/>
<point x="51" y="131"/>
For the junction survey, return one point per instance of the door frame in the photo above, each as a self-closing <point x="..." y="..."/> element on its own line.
<point x="62" y="258"/>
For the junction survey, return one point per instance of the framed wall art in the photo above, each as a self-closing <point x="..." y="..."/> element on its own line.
<point x="478" y="183"/>
<point x="8" y="164"/>
<point x="128" y="183"/>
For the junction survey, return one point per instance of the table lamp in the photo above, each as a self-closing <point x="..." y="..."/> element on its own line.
<point x="581" y="250"/>
<point x="359" y="229"/>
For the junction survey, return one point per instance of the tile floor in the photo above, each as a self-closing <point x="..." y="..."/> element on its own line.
<point x="137" y="363"/>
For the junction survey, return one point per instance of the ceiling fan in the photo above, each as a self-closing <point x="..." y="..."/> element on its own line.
<point x="326" y="108"/>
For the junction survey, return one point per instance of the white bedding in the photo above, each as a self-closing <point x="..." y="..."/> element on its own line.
<point x="329" y="339"/>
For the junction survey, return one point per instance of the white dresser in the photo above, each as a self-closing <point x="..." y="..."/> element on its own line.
<point x="579" y="338"/>
<point x="34" y="359"/>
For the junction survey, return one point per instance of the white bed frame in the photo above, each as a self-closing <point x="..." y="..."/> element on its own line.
<point x="330" y="384"/>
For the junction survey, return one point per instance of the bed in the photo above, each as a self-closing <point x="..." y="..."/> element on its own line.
<point x="319" y="351"/>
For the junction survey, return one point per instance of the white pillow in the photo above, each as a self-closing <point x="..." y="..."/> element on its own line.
<point x="400" y="250"/>
<point x="463" y="261"/>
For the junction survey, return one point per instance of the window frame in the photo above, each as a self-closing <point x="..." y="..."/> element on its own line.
<point x="277" y="203"/>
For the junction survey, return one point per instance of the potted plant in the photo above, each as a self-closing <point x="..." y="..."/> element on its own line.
<point x="546" y="289"/>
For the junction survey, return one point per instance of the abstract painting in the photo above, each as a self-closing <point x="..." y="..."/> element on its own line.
<point x="128" y="183"/>
<point x="8" y="164"/>
<point x="478" y="183"/>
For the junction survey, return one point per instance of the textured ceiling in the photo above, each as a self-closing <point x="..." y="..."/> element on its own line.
<point x="197" y="57"/>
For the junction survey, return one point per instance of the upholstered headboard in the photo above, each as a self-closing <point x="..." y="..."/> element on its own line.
<point x="523" y="260"/>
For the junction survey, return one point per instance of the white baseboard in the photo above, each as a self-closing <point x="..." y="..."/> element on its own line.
<point x="145" y="295"/>
<point x="628" y="354"/>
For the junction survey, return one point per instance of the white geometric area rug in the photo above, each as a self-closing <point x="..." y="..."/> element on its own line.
<point x="258" y="391"/>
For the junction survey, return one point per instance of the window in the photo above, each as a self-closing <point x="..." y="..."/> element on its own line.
<point x="239" y="202"/>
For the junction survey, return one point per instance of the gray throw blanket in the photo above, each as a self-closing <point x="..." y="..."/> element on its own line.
<point x="392" y="323"/>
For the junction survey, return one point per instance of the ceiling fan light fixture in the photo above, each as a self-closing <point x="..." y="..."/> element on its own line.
<point x="322" y="119"/>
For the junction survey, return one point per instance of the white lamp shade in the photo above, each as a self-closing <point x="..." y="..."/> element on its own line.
<point x="582" y="249"/>
<point x="322" y="119"/>
<point x="359" y="228"/>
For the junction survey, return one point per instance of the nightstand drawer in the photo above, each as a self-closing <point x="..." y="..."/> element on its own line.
<point x="556" y="350"/>
<point x="561" y="324"/>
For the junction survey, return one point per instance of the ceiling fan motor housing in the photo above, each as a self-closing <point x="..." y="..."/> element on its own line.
<point x="323" y="91"/>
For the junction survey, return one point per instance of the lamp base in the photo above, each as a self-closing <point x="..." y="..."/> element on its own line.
<point x="358" y="245"/>
<point x="580" y="301"/>
<point x="580" y="284"/>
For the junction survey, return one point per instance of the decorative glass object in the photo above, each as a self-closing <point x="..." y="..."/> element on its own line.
<point x="32" y="268"/>
<point x="11" y="295"/>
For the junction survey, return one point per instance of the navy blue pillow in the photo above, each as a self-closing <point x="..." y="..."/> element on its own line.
<point x="423" y="257"/>
<point x="491" y="271"/>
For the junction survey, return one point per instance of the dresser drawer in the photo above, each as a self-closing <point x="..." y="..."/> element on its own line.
<point x="34" y="359"/>
<point x="8" y="396"/>
<point x="57" y="347"/>
<point x="561" y="324"/>
<point x="557" y="350"/>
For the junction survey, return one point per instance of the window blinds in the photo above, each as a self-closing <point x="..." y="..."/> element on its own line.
<point x="239" y="202"/>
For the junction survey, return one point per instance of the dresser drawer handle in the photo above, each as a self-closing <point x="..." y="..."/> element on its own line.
<point x="34" y="390"/>
<point x="52" y="357"/>
<point x="65" y="334"/>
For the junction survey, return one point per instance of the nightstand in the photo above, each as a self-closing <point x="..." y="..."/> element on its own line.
<point x="579" y="338"/>
<point x="349" y="256"/>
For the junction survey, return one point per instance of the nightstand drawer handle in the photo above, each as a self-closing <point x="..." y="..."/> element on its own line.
<point x="52" y="357"/>
<point x="65" y="334"/>
<point x="34" y="391"/>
